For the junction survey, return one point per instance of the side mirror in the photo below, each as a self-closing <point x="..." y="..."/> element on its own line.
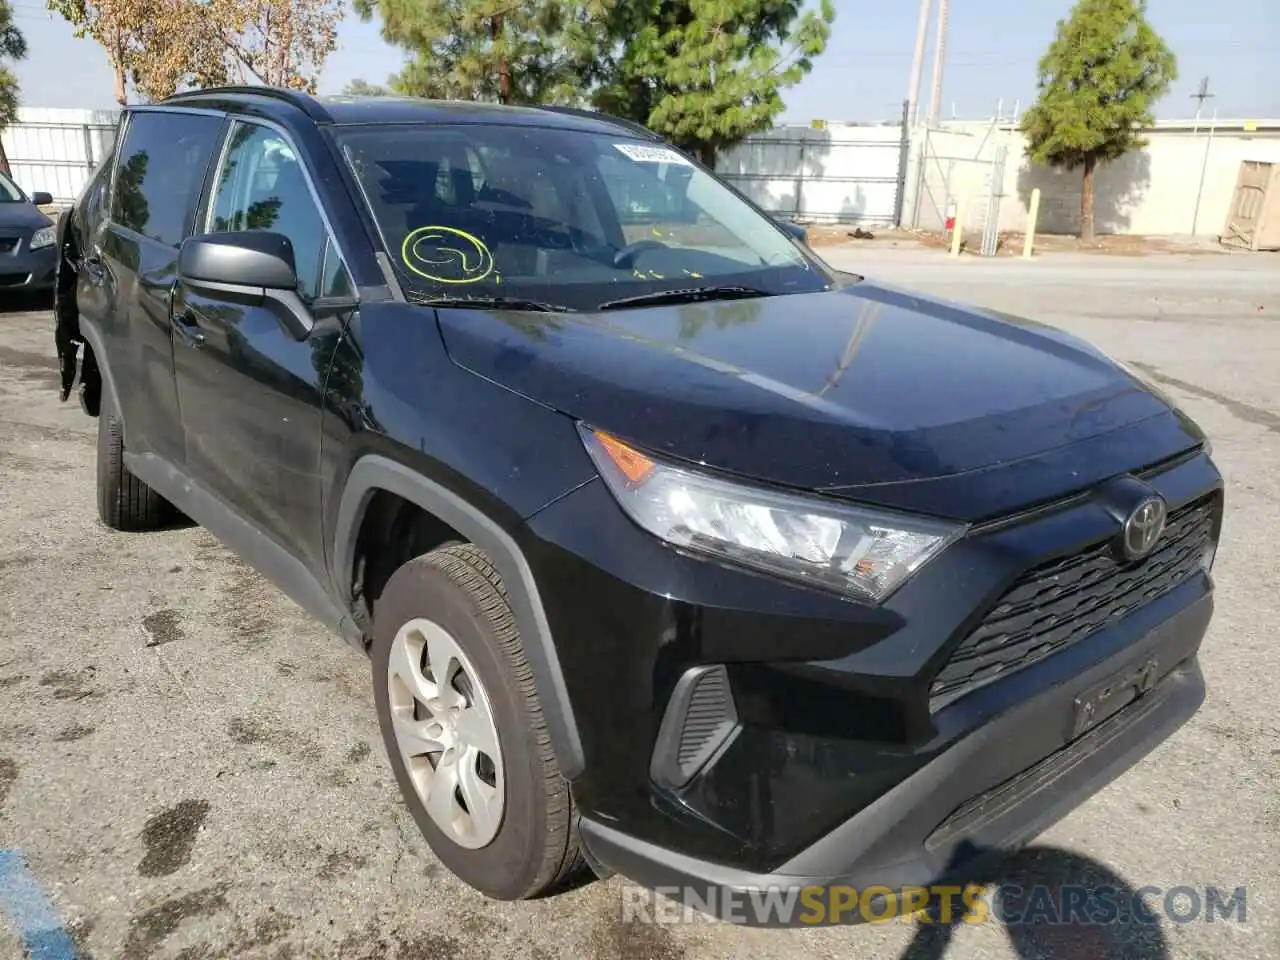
<point x="797" y="231"/>
<point x="42" y="199"/>
<point x="251" y="267"/>
<point x="249" y="259"/>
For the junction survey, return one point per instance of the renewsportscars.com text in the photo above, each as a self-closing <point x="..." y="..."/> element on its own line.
<point x="1006" y="904"/>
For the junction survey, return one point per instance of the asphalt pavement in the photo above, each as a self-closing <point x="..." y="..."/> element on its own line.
<point x="189" y="767"/>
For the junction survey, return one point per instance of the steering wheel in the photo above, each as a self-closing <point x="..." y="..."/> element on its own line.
<point x="627" y="253"/>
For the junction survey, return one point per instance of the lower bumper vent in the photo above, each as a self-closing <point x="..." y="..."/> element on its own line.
<point x="700" y="720"/>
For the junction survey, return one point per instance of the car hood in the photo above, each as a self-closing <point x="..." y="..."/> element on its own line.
<point x="22" y="216"/>
<point x="865" y="391"/>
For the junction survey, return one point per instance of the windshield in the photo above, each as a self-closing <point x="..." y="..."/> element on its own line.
<point x="567" y="219"/>
<point x="10" y="192"/>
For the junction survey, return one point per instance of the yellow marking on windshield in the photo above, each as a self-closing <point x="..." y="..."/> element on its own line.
<point x="425" y="245"/>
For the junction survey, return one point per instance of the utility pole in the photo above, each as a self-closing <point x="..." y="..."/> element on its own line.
<point x="1200" y="96"/>
<point x="917" y="61"/>
<point x="939" y="56"/>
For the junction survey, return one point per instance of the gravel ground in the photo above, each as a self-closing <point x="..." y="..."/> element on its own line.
<point x="191" y="768"/>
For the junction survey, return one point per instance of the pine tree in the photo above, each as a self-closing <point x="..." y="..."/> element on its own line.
<point x="1101" y="76"/>
<point x="485" y="50"/>
<point x="360" y="87"/>
<point x="13" y="47"/>
<point x="706" y="73"/>
<point x="702" y="73"/>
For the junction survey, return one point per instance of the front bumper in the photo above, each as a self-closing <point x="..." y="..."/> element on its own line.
<point x="990" y="792"/>
<point x="814" y="745"/>
<point x="28" y="270"/>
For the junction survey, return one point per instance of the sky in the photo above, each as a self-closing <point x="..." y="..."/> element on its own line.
<point x="992" y="50"/>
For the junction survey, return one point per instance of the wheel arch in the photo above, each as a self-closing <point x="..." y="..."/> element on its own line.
<point x="94" y="359"/>
<point x="373" y="473"/>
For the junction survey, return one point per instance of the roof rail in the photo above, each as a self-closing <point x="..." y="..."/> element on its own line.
<point x="631" y="125"/>
<point x="296" y="98"/>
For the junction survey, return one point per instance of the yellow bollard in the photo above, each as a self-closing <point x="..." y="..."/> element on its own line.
<point x="957" y="232"/>
<point x="1032" y="213"/>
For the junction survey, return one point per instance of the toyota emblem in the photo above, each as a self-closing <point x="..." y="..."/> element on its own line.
<point x="1143" y="527"/>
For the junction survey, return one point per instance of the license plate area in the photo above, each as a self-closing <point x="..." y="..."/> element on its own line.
<point x="1110" y="696"/>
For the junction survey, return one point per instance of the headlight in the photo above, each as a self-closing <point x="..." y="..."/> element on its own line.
<point x="44" y="237"/>
<point x="857" y="553"/>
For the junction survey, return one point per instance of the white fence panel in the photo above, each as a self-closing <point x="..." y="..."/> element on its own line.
<point x="846" y="173"/>
<point x="56" y="150"/>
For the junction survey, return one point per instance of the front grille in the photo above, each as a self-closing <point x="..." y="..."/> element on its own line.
<point x="1061" y="602"/>
<point x="8" y="244"/>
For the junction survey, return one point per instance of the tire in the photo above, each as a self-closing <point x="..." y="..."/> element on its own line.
<point x="455" y="592"/>
<point x="124" y="502"/>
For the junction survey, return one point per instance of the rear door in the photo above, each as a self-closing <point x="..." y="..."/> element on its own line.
<point x="250" y="392"/>
<point x="129" y="271"/>
<point x="75" y="292"/>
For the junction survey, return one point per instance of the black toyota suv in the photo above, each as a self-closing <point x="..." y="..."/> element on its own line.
<point x="673" y="549"/>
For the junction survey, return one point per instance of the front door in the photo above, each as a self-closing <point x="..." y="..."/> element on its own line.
<point x="250" y="392"/>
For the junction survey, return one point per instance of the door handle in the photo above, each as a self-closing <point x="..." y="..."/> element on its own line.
<point x="187" y="329"/>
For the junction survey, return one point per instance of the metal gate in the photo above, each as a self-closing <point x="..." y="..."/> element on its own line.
<point x="959" y="173"/>
<point x="838" y="173"/>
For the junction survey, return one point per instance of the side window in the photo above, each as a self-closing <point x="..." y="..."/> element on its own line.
<point x="162" y="165"/>
<point x="261" y="185"/>
<point x="336" y="282"/>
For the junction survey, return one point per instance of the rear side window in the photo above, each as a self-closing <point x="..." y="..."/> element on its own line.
<point x="162" y="165"/>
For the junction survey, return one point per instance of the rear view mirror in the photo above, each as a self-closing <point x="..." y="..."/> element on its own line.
<point x="42" y="199"/>
<point x="248" y="259"/>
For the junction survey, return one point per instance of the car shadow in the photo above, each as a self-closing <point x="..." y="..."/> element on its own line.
<point x="1032" y="894"/>
<point x="26" y="301"/>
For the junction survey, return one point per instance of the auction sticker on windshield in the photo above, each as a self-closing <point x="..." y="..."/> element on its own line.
<point x="642" y="154"/>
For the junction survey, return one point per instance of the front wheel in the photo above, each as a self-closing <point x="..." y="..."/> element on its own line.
<point x="463" y="727"/>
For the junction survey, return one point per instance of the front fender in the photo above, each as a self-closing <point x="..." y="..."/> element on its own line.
<point x="373" y="472"/>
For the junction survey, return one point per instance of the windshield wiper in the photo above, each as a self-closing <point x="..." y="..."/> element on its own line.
<point x="685" y="295"/>
<point x="491" y="303"/>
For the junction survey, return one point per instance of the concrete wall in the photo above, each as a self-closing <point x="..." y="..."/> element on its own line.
<point x="1150" y="192"/>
